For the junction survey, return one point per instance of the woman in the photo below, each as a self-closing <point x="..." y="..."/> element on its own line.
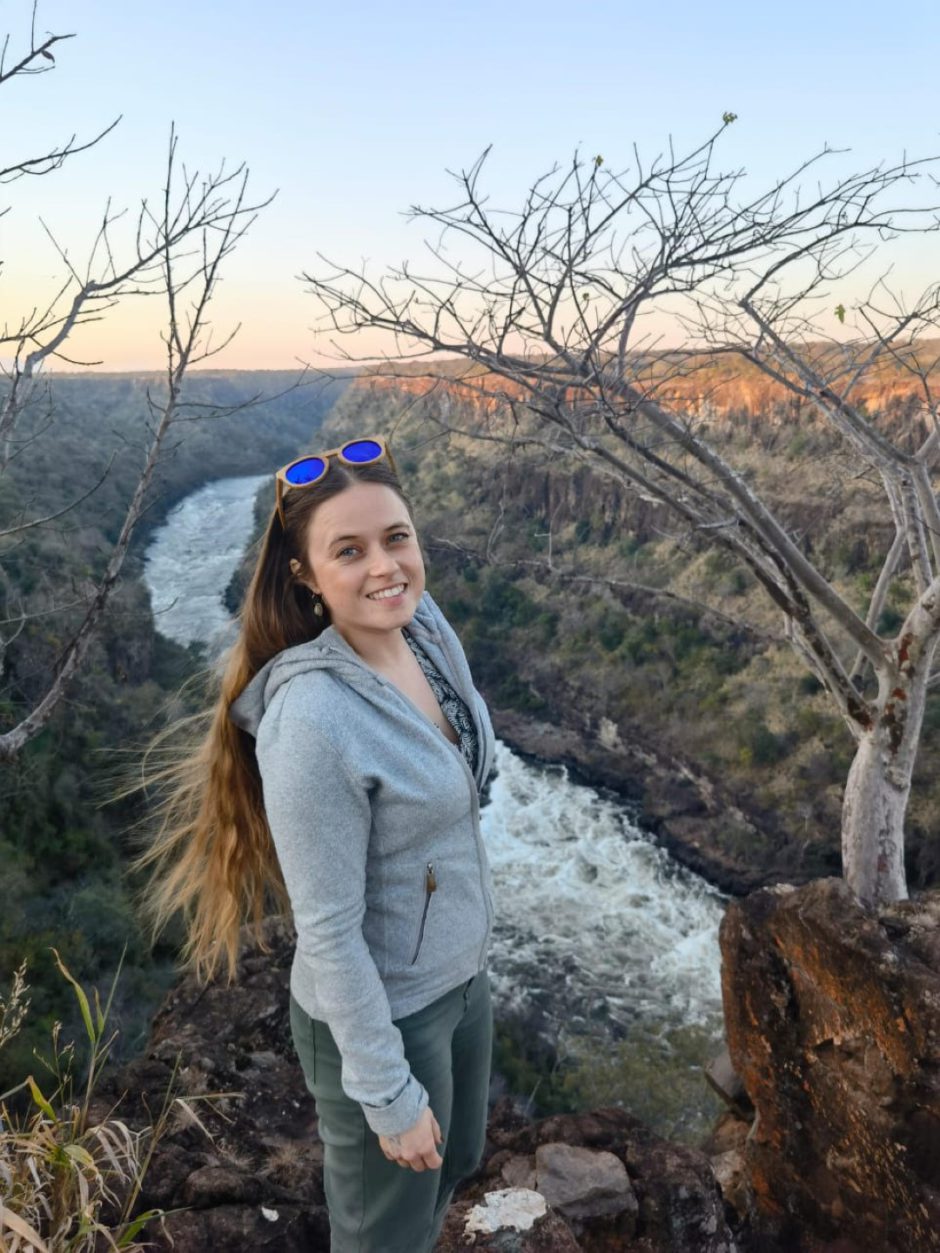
<point x="342" y="769"/>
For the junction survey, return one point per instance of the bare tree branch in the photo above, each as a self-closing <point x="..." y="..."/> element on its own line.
<point x="213" y="211"/>
<point x="545" y="315"/>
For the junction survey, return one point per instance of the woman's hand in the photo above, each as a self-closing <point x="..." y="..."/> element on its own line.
<point x="414" y="1148"/>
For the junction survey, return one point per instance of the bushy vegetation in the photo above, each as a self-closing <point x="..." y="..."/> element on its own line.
<point x="658" y="1077"/>
<point x="63" y="849"/>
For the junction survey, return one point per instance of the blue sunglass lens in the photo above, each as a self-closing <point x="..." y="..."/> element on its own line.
<point x="305" y="471"/>
<point x="363" y="450"/>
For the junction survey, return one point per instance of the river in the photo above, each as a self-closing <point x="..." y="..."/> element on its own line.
<point x="603" y="944"/>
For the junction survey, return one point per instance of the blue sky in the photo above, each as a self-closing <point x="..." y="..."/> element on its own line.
<point x="355" y="111"/>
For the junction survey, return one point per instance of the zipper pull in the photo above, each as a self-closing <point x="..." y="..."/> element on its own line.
<point x="431" y="881"/>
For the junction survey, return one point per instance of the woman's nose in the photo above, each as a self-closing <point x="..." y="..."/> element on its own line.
<point x="382" y="562"/>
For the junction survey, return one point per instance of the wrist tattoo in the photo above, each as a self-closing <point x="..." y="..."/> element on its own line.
<point x="395" y="1139"/>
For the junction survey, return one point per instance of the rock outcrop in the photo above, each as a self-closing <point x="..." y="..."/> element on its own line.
<point x="832" y="1017"/>
<point x="248" y="1173"/>
<point x="608" y="1183"/>
<point x="830" y="1144"/>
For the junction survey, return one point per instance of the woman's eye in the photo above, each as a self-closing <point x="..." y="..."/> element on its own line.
<point x="351" y="549"/>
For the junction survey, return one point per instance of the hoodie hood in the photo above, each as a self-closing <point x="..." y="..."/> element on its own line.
<point x="329" y="651"/>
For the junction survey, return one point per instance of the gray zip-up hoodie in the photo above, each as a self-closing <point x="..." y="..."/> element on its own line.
<point x="375" y="818"/>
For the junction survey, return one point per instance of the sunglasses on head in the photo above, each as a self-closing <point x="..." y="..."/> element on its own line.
<point x="308" y="470"/>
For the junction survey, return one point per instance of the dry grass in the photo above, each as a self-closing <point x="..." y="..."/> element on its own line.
<point x="68" y="1184"/>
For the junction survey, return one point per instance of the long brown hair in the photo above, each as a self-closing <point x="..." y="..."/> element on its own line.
<point x="207" y="846"/>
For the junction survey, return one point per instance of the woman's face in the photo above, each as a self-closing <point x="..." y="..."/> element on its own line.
<point x="358" y="542"/>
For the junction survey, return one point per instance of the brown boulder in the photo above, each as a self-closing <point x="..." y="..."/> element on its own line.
<point x="832" y="1014"/>
<point x="219" y="1185"/>
<point x="518" y="1170"/>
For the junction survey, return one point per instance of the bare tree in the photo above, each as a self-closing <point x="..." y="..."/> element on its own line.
<point x="547" y="306"/>
<point x="178" y="246"/>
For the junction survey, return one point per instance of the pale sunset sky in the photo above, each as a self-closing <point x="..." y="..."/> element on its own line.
<point x="355" y="111"/>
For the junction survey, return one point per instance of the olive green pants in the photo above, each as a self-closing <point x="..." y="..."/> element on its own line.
<point x="375" y="1205"/>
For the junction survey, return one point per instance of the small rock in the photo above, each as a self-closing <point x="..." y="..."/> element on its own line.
<point x="582" y="1183"/>
<point x="264" y="1059"/>
<point x="517" y="1208"/>
<point x="725" y="1080"/>
<point x="218" y="1185"/>
<point x="729" y="1171"/>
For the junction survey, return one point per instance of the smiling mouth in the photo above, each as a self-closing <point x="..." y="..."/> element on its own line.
<point x="388" y="593"/>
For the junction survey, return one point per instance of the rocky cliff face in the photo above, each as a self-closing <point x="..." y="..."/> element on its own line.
<point x="832" y="1017"/>
<point x="831" y="1141"/>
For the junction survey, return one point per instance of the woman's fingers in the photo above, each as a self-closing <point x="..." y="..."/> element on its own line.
<point x="422" y="1155"/>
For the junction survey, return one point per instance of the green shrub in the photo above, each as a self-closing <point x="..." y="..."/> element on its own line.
<point x="658" y="1078"/>
<point x="719" y="561"/>
<point x="799" y="445"/>
<point x="536" y="535"/>
<point x="611" y="629"/>
<point x="850" y="555"/>
<point x="758" y="745"/>
<point x="866" y="582"/>
<point x="631" y="546"/>
<point x="808" y="685"/>
<point x="889" y="622"/>
<point x="932" y="714"/>
<point x="738" y="582"/>
<point x="517" y="694"/>
<point x="546" y="626"/>
<point x="810" y="721"/>
<point x="639" y="642"/>
<point x="504" y="603"/>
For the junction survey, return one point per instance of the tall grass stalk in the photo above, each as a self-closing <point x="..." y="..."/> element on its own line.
<point x="68" y="1183"/>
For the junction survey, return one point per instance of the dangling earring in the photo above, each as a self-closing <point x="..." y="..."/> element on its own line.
<point x="318" y="606"/>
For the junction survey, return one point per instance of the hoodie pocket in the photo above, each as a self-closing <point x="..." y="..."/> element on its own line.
<point x="430" y="886"/>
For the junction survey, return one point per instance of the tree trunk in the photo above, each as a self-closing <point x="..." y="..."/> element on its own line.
<point x="879" y="786"/>
<point x="876" y="795"/>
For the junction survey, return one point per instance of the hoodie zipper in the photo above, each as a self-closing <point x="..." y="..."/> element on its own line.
<point x="474" y="794"/>
<point x="430" y="885"/>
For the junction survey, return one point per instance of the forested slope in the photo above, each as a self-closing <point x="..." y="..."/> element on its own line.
<point x="62" y="851"/>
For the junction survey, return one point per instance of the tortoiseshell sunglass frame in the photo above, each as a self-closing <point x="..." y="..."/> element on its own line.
<point x="283" y="484"/>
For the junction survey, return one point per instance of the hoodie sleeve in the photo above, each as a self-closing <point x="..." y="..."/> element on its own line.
<point x="320" y="819"/>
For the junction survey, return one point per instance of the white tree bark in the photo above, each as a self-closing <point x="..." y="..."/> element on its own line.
<point x="878" y="786"/>
<point x="876" y="795"/>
